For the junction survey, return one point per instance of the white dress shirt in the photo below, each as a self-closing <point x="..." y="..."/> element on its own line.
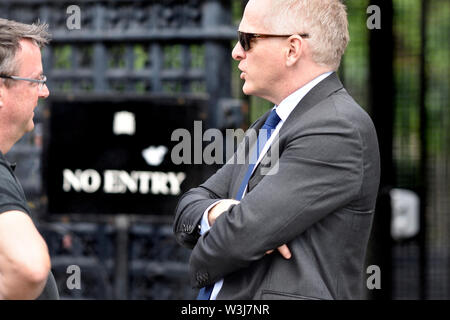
<point x="283" y="110"/>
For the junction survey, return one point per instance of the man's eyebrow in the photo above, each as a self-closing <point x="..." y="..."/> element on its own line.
<point x="38" y="74"/>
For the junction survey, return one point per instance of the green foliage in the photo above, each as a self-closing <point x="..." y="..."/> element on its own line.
<point x="172" y="56"/>
<point x="197" y="53"/>
<point x="354" y="69"/>
<point x="62" y="56"/>
<point x="116" y="57"/>
<point x="141" y="59"/>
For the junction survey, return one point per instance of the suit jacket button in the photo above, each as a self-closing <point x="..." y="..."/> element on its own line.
<point x="202" y="278"/>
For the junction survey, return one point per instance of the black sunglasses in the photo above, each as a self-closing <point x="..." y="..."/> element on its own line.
<point x="246" y="38"/>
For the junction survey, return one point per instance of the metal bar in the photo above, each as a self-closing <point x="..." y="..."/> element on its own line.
<point x="74" y="65"/>
<point x="190" y="75"/>
<point x="423" y="183"/>
<point x="129" y="67"/>
<point x="215" y="33"/>
<point x="217" y="58"/>
<point x="157" y="62"/>
<point x="99" y="61"/>
<point x="121" y="272"/>
<point x="381" y="77"/>
<point x="185" y="67"/>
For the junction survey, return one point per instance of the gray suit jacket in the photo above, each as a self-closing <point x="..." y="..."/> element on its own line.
<point x="320" y="203"/>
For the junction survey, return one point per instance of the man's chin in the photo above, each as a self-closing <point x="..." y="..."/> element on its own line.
<point x="247" y="90"/>
<point x="30" y="127"/>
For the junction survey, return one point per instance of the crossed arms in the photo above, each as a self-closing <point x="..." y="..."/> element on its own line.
<point x="320" y="170"/>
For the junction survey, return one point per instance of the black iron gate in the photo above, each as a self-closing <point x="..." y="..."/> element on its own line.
<point x="400" y="73"/>
<point x="165" y="48"/>
<point x="406" y="73"/>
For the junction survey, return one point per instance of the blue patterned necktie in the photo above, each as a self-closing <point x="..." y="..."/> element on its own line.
<point x="205" y="292"/>
<point x="263" y="136"/>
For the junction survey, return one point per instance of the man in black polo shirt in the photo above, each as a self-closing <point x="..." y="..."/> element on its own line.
<point x="24" y="258"/>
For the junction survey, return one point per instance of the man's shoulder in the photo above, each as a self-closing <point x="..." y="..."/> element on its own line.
<point x="6" y="171"/>
<point x="11" y="193"/>
<point x="341" y="107"/>
<point x="347" y="108"/>
<point x="6" y="174"/>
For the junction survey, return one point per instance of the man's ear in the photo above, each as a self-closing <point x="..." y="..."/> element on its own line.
<point x="295" y="50"/>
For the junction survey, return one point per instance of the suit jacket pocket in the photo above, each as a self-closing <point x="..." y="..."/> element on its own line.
<point x="278" y="295"/>
<point x="361" y="220"/>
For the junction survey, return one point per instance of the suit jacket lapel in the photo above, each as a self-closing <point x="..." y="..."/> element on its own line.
<point x="318" y="93"/>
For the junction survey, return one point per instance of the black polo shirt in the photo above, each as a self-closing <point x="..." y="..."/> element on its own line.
<point x="12" y="197"/>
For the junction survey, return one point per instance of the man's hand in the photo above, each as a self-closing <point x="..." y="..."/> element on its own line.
<point x="284" y="250"/>
<point x="220" y="208"/>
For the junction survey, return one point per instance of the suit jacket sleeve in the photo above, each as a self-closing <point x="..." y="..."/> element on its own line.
<point x="193" y="203"/>
<point x="320" y="170"/>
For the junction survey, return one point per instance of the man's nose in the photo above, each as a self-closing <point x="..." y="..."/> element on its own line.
<point x="238" y="52"/>
<point x="44" y="93"/>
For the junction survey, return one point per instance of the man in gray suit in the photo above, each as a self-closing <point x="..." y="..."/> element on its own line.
<point x="300" y="231"/>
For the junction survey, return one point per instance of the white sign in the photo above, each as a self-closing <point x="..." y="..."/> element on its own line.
<point x="124" y="123"/>
<point x="121" y="181"/>
<point x="405" y="214"/>
<point x="154" y="156"/>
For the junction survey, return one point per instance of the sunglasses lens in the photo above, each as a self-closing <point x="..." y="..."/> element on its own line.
<point x="244" y="40"/>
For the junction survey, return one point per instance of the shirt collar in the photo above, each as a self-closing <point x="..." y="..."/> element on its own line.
<point x="289" y="103"/>
<point x="11" y="165"/>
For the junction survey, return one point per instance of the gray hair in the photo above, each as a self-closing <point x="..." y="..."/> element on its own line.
<point x="324" y="20"/>
<point x="11" y="33"/>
